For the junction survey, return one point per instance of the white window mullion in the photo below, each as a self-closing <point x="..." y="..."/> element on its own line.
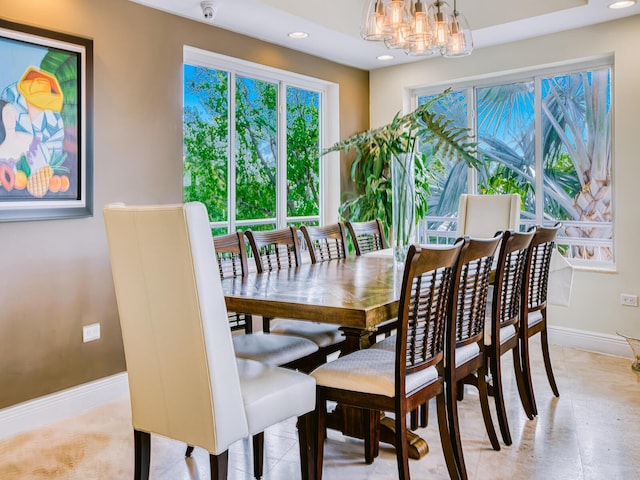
<point x="537" y="112"/>
<point x="231" y="160"/>
<point x="281" y="169"/>
<point x="322" y="170"/>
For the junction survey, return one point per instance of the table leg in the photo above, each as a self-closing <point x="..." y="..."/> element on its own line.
<point x="349" y="420"/>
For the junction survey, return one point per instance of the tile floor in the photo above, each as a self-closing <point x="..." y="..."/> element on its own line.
<point x="591" y="432"/>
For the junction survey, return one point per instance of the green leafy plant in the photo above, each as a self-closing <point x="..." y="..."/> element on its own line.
<point x="374" y="150"/>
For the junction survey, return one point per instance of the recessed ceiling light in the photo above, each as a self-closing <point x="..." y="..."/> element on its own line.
<point x="623" y="4"/>
<point x="298" y="34"/>
<point x="385" y="57"/>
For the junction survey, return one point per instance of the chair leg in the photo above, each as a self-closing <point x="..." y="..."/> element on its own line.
<point x="414" y="421"/>
<point x="266" y="324"/>
<point x="189" y="451"/>
<point x="219" y="465"/>
<point x="371" y="429"/>
<point x="424" y="414"/>
<point x="525" y="365"/>
<point x="498" y="397"/>
<point x="521" y="383"/>
<point x="142" y="454"/>
<point x="306" y="438"/>
<point x="258" y="454"/>
<point x="483" y="394"/>
<point x="402" y="449"/>
<point x="547" y="360"/>
<point x="460" y="390"/>
<point x="454" y="426"/>
<point x="321" y="434"/>
<point x="445" y="438"/>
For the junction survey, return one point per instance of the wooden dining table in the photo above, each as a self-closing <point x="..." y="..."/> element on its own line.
<point x="357" y="293"/>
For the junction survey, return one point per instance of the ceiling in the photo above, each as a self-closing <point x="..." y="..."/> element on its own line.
<point x="333" y="25"/>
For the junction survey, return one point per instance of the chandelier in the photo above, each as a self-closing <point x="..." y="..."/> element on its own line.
<point x="418" y="27"/>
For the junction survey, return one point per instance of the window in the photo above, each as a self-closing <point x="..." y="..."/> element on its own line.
<point x="252" y="142"/>
<point x="546" y="136"/>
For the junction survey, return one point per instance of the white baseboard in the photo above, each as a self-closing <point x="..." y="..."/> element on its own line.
<point x="60" y="405"/>
<point x="591" y="341"/>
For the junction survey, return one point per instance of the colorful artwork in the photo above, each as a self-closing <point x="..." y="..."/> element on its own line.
<point x="44" y="159"/>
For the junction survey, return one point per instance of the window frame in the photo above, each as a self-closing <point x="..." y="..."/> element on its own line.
<point x="328" y="117"/>
<point x="534" y="74"/>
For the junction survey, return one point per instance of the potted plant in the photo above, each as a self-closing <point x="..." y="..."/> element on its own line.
<point x="389" y="169"/>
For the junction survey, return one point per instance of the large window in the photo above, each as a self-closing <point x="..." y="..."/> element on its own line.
<point x="252" y="143"/>
<point x="546" y="136"/>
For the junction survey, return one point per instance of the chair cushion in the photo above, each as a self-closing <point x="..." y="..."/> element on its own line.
<point x="463" y="354"/>
<point x="534" y="317"/>
<point x="505" y="333"/>
<point x="388" y="344"/>
<point x="322" y="334"/>
<point x="466" y="353"/>
<point x="272" y="349"/>
<point x="369" y="371"/>
<point x="273" y="394"/>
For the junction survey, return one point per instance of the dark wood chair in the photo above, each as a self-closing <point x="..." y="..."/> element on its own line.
<point x="327" y="242"/>
<point x="534" y="306"/>
<point x="367" y="236"/>
<point x="465" y="354"/>
<point x="398" y="381"/>
<point x="278" y="250"/>
<point x="503" y="325"/>
<point x="231" y="255"/>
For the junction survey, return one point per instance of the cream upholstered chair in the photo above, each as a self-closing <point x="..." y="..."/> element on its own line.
<point x="184" y="380"/>
<point x="483" y="215"/>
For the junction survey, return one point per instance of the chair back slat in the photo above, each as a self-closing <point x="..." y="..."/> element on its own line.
<point x="470" y="290"/>
<point x="231" y="255"/>
<point x="275" y="249"/>
<point x="328" y="242"/>
<point x="426" y="287"/>
<point x="367" y="236"/>
<point x="537" y="279"/>
<point x="510" y="270"/>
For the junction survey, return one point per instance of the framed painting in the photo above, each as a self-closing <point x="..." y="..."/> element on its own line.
<point x="46" y="134"/>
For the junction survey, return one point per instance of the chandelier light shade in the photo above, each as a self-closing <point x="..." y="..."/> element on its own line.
<point x="419" y="27"/>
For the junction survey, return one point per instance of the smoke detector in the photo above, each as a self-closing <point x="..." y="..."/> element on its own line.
<point x="208" y="10"/>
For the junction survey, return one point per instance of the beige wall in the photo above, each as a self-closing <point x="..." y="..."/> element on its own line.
<point x="595" y="303"/>
<point x="55" y="274"/>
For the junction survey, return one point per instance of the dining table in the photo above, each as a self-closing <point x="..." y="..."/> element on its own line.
<point x="358" y="293"/>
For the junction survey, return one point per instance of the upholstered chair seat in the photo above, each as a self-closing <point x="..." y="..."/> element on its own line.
<point x="322" y="334"/>
<point x="272" y="349"/>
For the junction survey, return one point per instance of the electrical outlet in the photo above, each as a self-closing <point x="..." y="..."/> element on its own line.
<point x="628" y="300"/>
<point x="91" y="332"/>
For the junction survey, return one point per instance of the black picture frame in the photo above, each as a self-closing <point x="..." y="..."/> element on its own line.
<point x="46" y="124"/>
